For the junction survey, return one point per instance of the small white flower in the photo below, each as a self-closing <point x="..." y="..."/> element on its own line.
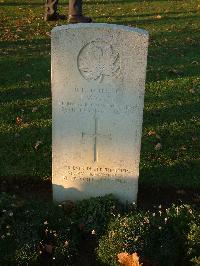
<point x="158" y="146"/>
<point x="37" y="144"/>
<point x="66" y="244"/>
<point x="34" y="109"/>
<point x="93" y="232"/>
<point x="10" y="214"/>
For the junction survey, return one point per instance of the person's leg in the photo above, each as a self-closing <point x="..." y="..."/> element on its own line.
<point x="51" y="13"/>
<point x="75" y="12"/>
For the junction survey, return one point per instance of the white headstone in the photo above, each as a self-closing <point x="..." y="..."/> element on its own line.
<point x="98" y="83"/>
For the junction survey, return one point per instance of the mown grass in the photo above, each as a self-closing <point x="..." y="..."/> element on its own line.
<point x="172" y="89"/>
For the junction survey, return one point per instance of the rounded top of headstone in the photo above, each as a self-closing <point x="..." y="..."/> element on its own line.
<point x="100" y="26"/>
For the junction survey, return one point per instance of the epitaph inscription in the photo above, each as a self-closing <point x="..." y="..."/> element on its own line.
<point x="98" y="77"/>
<point x="88" y="173"/>
<point x="98" y="59"/>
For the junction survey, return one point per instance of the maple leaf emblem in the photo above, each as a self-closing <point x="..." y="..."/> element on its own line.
<point x="98" y="59"/>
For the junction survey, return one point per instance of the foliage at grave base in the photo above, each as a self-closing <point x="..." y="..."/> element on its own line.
<point x="165" y="238"/>
<point x="94" y="214"/>
<point x="36" y="233"/>
<point x="33" y="233"/>
<point x="194" y="242"/>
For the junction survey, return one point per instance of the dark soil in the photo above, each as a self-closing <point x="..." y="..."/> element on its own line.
<point x="149" y="198"/>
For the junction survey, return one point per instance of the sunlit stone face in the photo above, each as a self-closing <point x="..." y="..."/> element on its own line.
<point x="98" y="79"/>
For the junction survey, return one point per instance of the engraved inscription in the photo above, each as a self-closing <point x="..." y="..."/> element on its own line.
<point x="98" y="59"/>
<point x="89" y="107"/>
<point x="98" y="100"/>
<point x="89" y="173"/>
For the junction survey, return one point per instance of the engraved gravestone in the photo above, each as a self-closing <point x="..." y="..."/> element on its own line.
<point x="98" y="82"/>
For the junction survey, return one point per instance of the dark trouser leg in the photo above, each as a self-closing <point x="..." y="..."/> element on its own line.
<point x="75" y="7"/>
<point x="51" y="7"/>
<point x="75" y="12"/>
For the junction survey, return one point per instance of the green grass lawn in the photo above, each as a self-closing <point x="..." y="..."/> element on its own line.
<point x="172" y="88"/>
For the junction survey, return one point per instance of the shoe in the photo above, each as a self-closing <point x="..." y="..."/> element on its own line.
<point x="79" y="19"/>
<point x="55" y="16"/>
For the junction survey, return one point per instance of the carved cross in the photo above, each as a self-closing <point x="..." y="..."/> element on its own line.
<point x="95" y="135"/>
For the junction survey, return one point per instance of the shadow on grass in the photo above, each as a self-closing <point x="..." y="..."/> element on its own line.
<point x="25" y="62"/>
<point x="152" y="195"/>
<point x="16" y="94"/>
<point x="21" y="159"/>
<point x="174" y="113"/>
<point x="164" y="15"/>
<point x="183" y="175"/>
<point x="163" y="21"/>
<point x="171" y="55"/>
<point x="25" y="46"/>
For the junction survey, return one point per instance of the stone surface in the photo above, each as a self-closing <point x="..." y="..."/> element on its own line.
<point x="98" y="82"/>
